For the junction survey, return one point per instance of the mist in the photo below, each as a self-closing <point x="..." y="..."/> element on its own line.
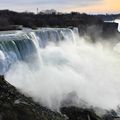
<point x="71" y="73"/>
<point x="118" y="21"/>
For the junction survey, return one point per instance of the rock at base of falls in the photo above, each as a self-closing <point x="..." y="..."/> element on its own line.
<point x="15" y="106"/>
<point x="75" y="113"/>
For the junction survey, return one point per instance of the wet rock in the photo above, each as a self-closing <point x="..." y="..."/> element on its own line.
<point x="15" y="106"/>
<point x="111" y="115"/>
<point x="74" y="113"/>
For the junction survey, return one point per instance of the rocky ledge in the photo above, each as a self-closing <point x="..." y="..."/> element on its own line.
<point x="16" y="106"/>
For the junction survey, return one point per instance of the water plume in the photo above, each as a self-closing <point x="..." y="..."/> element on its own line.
<point x="83" y="73"/>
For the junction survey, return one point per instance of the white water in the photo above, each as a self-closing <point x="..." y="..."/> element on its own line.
<point x="68" y="68"/>
<point x="118" y="21"/>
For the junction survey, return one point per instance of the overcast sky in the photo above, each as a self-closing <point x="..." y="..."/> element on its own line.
<point x="89" y="6"/>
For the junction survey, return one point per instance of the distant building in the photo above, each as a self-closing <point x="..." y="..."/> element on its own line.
<point x="52" y="11"/>
<point x="37" y="10"/>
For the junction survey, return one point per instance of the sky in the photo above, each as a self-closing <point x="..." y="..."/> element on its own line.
<point x="86" y="6"/>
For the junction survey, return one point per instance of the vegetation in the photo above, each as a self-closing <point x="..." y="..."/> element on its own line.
<point x="46" y="20"/>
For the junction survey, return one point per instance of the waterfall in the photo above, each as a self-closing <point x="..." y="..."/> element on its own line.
<point x="52" y="65"/>
<point x="118" y="21"/>
<point x="21" y="45"/>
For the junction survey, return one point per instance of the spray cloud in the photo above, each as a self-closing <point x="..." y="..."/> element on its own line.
<point x="83" y="72"/>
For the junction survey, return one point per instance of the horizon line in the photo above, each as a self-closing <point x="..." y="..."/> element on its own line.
<point x="37" y="12"/>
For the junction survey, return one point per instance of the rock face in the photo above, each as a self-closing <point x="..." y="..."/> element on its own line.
<point x="15" y="106"/>
<point x="10" y="27"/>
<point x="79" y="114"/>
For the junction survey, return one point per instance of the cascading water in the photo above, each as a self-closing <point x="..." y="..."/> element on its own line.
<point x="118" y="21"/>
<point x="14" y="48"/>
<point x="50" y="64"/>
<point x="19" y="46"/>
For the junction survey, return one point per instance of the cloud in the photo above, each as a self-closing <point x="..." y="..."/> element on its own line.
<point x="85" y="2"/>
<point x="49" y="2"/>
<point x="59" y="5"/>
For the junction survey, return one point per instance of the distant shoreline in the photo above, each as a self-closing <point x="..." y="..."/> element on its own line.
<point x="10" y="20"/>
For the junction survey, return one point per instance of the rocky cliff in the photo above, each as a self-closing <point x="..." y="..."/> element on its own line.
<point x="16" y="106"/>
